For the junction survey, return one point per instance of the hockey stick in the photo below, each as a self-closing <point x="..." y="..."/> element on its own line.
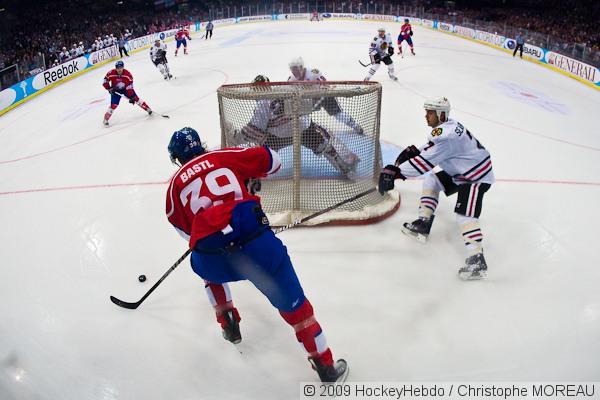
<point x="133" y="306"/>
<point x="318" y="213"/>
<point x="162" y="115"/>
<point x="365" y="65"/>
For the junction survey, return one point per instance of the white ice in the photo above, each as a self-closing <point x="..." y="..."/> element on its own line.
<point x="82" y="215"/>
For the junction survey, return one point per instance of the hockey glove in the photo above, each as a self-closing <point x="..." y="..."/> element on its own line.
<point x="391" y="51"/>
<point x="254" y="185"/>
<point x="375" y="58"/>
<point x="111" y="91"/>
<point x="411" y="33"/>
<point x="406" y="154"/>
<point x="132" y="100"/>
<point x="387" y="177"/>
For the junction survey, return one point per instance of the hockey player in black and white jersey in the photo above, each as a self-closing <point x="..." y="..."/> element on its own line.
<point x="330" y="104"/>
<point x="158" y="55"/>
<point x="466" y="169"/>
<point x="381" y="49"/>
<point x="270" y="125"/>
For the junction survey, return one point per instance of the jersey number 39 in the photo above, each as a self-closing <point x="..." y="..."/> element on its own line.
<point x="197" y="202"/>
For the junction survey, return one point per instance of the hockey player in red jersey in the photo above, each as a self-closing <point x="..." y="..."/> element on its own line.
<point x="405" y="34"/>
<point x="180" y="37"/>
<point x="209" y="204"/>
<point x="119" y="82"/>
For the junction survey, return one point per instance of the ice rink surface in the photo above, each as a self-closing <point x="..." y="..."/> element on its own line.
<point x="82" y="215"/>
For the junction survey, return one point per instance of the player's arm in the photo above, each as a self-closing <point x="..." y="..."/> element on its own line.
<point x="256" y="130"/>
<point x="106" y="83"/>
<point x="175" y="214"/>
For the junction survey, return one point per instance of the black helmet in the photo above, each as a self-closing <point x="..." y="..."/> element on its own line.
<point x="260" y="79"/>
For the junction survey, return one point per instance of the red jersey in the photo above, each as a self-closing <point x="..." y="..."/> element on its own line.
<point x="204" y="191"/>
<point x="181" y="34"/>
<point x="112" y="80"/>
<point x="405" y="30"/>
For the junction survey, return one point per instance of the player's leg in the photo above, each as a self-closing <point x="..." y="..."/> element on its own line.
<point x="161" y="69"/>
<point x="400" y="40"/>
<point x="184" y="46"/>
<point x="167" y="70"/>
<point x="468" y="209"/>
<point x="387" y="60"/>
<point x="331" y="105"/>
<point x="114" y="103"/>
<point x="227" y="315"/>
<point x="372" y="69"/>
<point x="134" y="99"/>
<point x="178" y="44"/>
<point x="275" y="277"/>
<point x="410" y="43"/>
<point x="433" y="184"/>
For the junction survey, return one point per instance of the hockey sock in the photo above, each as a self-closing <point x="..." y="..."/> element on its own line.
<point x="309" y="332"/>
<point x="428" y="203"/>
<point x="220" y="298"/>
<point x="143" y="104"/>
<point x="372" y="70"/>
<point x="471" y="233"/>
<point x="109" y="112"/>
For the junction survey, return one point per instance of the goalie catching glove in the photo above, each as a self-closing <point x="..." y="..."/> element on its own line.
<point x="387" y="177"/>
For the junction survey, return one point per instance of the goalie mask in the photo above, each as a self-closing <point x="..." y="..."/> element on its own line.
<point x="185" y="145"/>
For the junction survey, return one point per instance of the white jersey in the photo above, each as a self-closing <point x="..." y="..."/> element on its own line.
<point x="272" y="117"/>
<point x="159" y="52"/>
<point x="454" y="149"/>
<point x="378" y="46"/>
<point x="309" y="75"/>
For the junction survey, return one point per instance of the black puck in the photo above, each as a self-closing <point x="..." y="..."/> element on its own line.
<point x="142" y="278"/>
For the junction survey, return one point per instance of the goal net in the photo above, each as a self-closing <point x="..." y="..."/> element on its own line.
<point x="327" y="134"/>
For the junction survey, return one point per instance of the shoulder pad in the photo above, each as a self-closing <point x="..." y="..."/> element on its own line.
<point x="436" y="132"/>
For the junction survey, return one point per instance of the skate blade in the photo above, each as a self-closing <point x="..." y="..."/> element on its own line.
<point x="417" y="236"/>
<point x="469" y="276"/>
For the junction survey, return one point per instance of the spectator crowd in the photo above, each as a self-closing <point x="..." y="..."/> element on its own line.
<point x="38" y="35"/>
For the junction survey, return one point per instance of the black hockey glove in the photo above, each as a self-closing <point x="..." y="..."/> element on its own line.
<point x="391" y="51"/>
<point x="254" y="185"/>
<point x="406" y="154"/>
<point x="411" y="33"/>
<point x="375" y="58"/>
<point x="387" y="177"/>
<point x="111" y="91"/>
<point x="132" y="100"/>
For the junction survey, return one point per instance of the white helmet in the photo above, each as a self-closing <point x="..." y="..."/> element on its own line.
<point x="297" y="62"/>
<point x="439" y="105"/>
<point x="381" y="29"/>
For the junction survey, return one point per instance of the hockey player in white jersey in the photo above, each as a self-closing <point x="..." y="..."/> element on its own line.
<point x="381" y="49"/>
<point x="330" y="104"/>
<point x="158" y="55"/>
<point x="466" y="170"/>
<point x="270" y="125"/>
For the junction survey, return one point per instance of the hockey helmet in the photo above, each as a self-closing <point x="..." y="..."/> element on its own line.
<point x="260" y="79"/>
<point x="381" y="29"/>
<point x="297" y="62"/>
<point x="119" y="64"/>
<point x="406" y="20"/>
<point x="184" y="145"/>
<point x="439" y="105"/>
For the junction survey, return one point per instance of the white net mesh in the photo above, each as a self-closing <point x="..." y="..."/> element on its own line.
<point x="327" y="134"/>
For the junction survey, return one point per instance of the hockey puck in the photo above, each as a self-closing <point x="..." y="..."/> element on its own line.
<point x="142" y="278"/>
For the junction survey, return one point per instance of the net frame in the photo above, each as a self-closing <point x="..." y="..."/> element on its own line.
<point x="295" y="95"/>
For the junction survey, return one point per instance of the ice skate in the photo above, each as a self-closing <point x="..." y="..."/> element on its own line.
<point x="475" y="268"/>
<point x="393" y="77"/>
<point x="149" y="111"/>
<point x="336" y="373"/>
<point x="231" y="332"/>
<point x="419" y="228"/>
<point x="105" y="122"/>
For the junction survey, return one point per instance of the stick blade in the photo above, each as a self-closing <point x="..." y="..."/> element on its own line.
<point x="124" y="304"/>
